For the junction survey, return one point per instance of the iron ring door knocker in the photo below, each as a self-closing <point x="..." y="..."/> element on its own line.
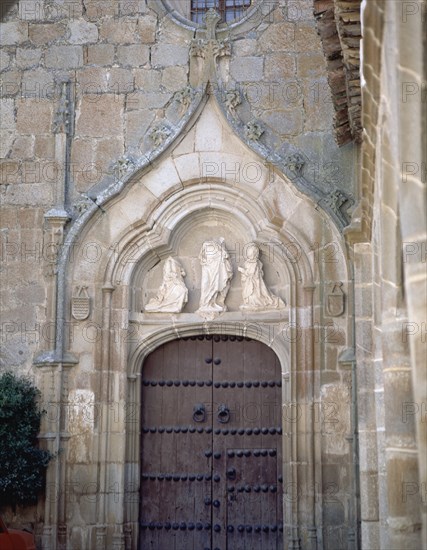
<point x="223" y="414"/>
<point x="199" y="413"/>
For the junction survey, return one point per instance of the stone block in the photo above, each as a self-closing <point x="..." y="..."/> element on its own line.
<point x="82" y="32"/>
<point x="4" y="60"/>
<point x="245" y="47"/>
<point x="188" y="167"/>
<point x="9" y="217"/>
<point x="23" y="147"/>
<point x="368" y="455"/>
<point x="10" y="171"/>
<point x="100" y="54"/>
<point x="247" y="69"/>
<point x="137" y="124"/>
<point x="96" y="9"/>
<point x="289" y="122"/>
<point x="22" y="194"/>
<point x="6" y="141"/>
<point x="7" y="114"/>
<point x="107" y="152"/>
<point x="28" y="57"/>
<point x="149" y="100"/>
<point x="44" y="147"/>
<point x="162" y="179"/>
<point x="209" y="132"/>
<point x="64" y="57"/>
<point x="165" y="55"/>
<point x="98" y="80"/>
<point x="318" y="105"/>
<point x="82" y="156"/>
<point x="132" y="8"/>
<point x="279" y="67"/>
<point x="306" y="38"/>
<point x="120" y="31"/>
<point x="13" y="32"/>
<point x="174" y="78"/>
<point x="99" y="116"/>
<point x="278" y="37"/>
<point x="148" y="80"/>
<point x="369" y="496"/>
<point x="44" y="33"/>
<point x="38" y="83"/>
<point x="34" y="116"/>
<point x="146" y="29"/>
<point x="136" y="55"/>
<point x="311" y="65"/>
<point x="10" y="83"/>
<point x="31" y="294"/>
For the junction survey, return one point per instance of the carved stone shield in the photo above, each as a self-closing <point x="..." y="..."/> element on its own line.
<point x="335" y="301"/>
<point x="80" y="304"/>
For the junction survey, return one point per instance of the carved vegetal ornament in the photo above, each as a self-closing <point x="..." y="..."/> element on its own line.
<point x="123" y="166"/>
<point x="184" y="97"/>
<point x="253" y="130"/>
<point x="83" y="205"/>
<point x="335" y="300"/>
<point x="80" y="304"/>
<point x="232" y="100"/>
<point x="159" y="134"/>
<point x="295" y="163"/>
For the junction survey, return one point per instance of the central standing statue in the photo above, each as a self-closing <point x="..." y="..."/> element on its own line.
<point x="216" y="276"/>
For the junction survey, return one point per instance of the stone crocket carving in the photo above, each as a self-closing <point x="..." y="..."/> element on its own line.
<point x="255" y="294"/>
<point x="216" y="277"/>
<point x="172" y="294"/>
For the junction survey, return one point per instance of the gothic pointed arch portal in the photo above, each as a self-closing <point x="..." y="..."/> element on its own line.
<point x="208" y="187"/>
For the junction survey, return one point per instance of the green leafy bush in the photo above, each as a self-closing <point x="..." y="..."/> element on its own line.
<point x="22" y="464"/>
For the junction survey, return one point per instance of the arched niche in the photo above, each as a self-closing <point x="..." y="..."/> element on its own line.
<point x="185" y="244"/>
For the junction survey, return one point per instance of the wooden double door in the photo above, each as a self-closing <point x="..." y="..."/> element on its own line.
<point x="211" y="448"/>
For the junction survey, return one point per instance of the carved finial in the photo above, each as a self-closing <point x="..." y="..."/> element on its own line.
<point x="253" y="130"/>
<point x="211" y="19"/>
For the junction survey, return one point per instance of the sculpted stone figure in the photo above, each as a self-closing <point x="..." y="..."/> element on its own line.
<point x="255" y="294"/>
<point x="216" y="276"/>
<point x="172" y="294"/>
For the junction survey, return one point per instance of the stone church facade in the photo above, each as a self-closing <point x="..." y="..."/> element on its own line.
<point x="138" y="131"/>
